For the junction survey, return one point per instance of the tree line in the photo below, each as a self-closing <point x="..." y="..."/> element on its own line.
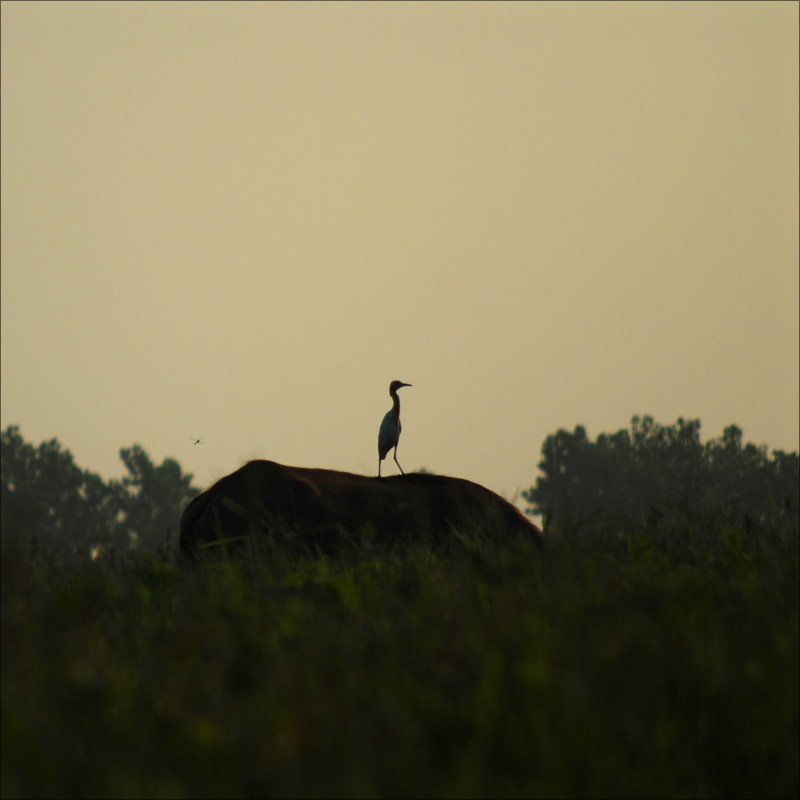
<point x="661" y="478"/>
<point x="651" y="478"/>
<point x="49" y="502"/>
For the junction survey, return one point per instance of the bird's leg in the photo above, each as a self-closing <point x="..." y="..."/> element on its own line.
<point x="379" y="467"/>
<point x="396" y="461"/>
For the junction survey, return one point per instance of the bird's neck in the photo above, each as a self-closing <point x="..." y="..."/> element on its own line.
<point x="395" y="405"/>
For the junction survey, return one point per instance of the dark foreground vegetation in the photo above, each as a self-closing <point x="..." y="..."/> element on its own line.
<point x="656" y="657"/>
<point x="628" y="667"/>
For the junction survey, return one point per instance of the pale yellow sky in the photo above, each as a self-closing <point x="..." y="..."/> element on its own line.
<point x="240" y="222"/>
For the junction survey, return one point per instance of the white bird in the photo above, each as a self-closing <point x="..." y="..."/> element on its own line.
<point x="389" y="433"/>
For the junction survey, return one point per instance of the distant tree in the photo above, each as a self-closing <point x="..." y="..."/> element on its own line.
<point x="49" y="502"/>
<point x="46" y="496"/>
<point x="662" y="477"/>
<point x="152" y="497"/>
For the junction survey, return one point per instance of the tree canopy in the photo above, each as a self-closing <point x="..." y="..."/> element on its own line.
<point x="662" y="477"/>
<point x="50" y="501"/>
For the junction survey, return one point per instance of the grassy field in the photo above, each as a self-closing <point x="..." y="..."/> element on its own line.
<point x="618" y="667"/>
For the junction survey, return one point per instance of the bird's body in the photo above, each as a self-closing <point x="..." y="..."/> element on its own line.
<point x="389" y="433"/>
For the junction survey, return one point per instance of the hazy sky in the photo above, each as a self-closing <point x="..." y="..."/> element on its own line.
<point x="240" y="222"/>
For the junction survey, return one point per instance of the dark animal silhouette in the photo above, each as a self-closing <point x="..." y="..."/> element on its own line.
<point x="322" y="507"/>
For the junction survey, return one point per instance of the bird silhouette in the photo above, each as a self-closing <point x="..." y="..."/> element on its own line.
<point x="389" y="434"/>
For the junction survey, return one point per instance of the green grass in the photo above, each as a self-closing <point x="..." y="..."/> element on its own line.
<point x="619" y="667"/>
